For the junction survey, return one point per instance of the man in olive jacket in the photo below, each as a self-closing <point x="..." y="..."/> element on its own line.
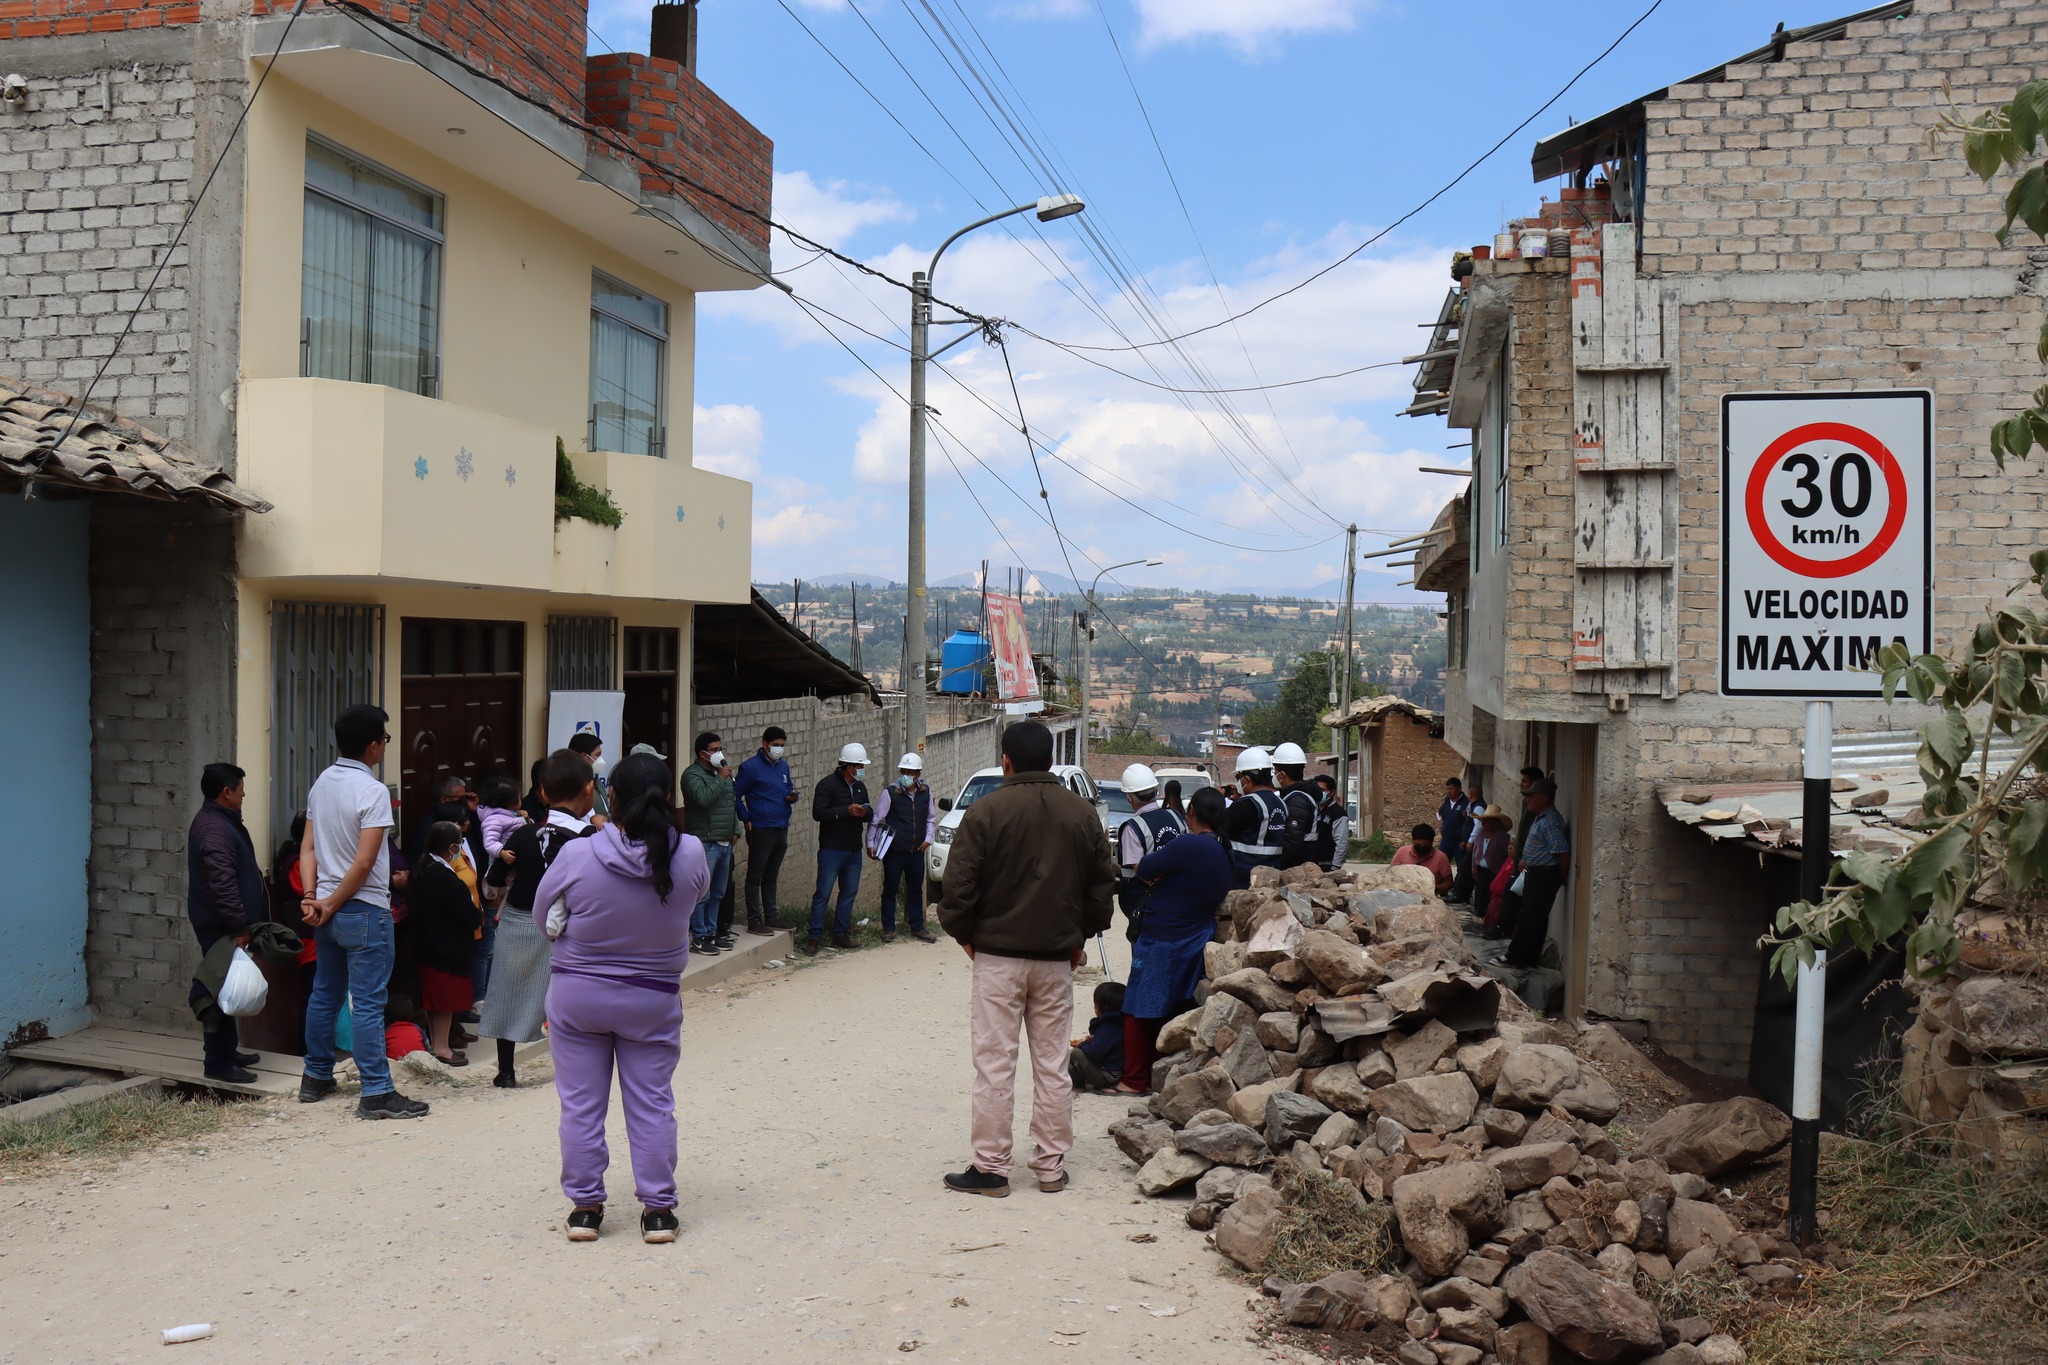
<point x="1029" y="881"/>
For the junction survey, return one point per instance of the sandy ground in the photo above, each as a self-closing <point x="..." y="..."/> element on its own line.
<point x="819" y="1108"/>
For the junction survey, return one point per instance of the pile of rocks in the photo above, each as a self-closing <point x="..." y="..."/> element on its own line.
<point x="1345" y="1034"/>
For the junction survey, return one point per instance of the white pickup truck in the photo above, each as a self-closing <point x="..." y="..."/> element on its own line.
<point x="1075" y="779"/>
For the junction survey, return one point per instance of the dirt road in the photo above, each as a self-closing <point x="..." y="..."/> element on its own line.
<point x="819" y="1108"/>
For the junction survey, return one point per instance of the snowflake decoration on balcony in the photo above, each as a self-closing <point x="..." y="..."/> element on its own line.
<point x="465" y="464"/>
<point x="679" y="514"/>
<point x="721" y="523"/>
<point x="511" y="475"/>
<point x="419" y="467"/>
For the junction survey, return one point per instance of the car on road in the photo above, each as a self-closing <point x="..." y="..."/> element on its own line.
<point x="1116" y="806"/>
<point x="1074" y="779"/>
<point x="1191" y="780"/>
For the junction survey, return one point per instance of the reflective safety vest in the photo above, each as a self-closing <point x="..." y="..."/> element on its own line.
<point x="1265" y="851"/>
<point x="1156" y="829"/>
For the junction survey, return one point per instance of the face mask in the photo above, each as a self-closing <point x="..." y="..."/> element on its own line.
<point x="776" y="751"/>
<point x="859" y="773"/>
<point x="905" y="781"/>
<point x="597" y="764"/>
<point x="716" y="758"/>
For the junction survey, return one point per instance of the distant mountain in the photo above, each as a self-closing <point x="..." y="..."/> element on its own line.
<point x="842" y="580"/>
<point x="1045" y="581"/>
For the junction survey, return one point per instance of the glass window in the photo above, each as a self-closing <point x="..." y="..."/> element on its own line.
<point x="371" y="289"/>
<point x="1500" y="451"/>
<point x="976" y="788"/>
<point x="1119" y="801"/>
<point x="628" y="352"/>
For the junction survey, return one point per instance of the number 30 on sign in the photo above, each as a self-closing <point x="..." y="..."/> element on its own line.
<point x="1826" y="538"/>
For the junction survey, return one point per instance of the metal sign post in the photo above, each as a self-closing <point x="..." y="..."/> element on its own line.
<point x="1827" y="530"/>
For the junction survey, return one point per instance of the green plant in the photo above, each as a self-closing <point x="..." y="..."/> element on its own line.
<point x="106" y="1129"/>
<point x="1976" y="825"/>
<point x="575" y="498"/>
<point x="1378" y="849"/>
<point x="1296" y="715"/>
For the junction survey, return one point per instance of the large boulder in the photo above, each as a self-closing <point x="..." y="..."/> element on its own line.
<point x="1533" y="1075"/>
<point x="1189" y="1095"/>
<point x="1334" y="1303"/>
<point x="1141" y="1139"/>
<point x="1419" y="881"/>
<point x="1248" y="1106"/>
<point x="1257" y="990"/>
<point x="1708" y="1139"/>
<point x="1421" y="1050"/>
<point x="1438" y="1103"/>
<point x="1246" y="1231"/>
<point x="1169" y="1170"/>
<point x="1178" y="1032"/>
<point x="1429" y="917"/>
<point x="1591" y="1099"/>
<point x="1279" y="1030"/>
<point x="1444" y="1210"/>
<point x="1337" y="963"/>
<point x="1227" y="1184"/>
<point x="1531" y="1164"/>
<point x="2003" y="1015"/>
<point x="1482" y="1061"/>
<point x="1247" y="1062"/>
<point x="1226" y="1144"/>
<point x="1273" y="939"/>
<point x="1222" y="1014"/>
<point x="1293" y="1118"/>
<point x="1338" y="1085"/>
<point x="1583" y="1310"/>
<point x="1694" y="1224"/>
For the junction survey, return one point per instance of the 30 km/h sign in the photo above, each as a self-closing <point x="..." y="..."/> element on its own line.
<point x="1827" y="516"/>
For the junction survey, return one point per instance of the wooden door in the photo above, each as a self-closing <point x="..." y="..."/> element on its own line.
<point x="461" y="705"/>
<point x="653" y="693"/>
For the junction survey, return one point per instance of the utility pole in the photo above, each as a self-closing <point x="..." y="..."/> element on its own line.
<point x="853" y="594"/>
<point x="914" y="606"/>
<point x="1809" y="1010"/>
<point x="1344" y="688"/>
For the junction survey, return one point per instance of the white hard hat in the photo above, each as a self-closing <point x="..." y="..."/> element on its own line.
<point x="1139" y="778"/>
<point x="1289" y="753"/>
<point x="1254" y="760"/>
<point x="854" y="753"/>
<point x="913" y="762"/>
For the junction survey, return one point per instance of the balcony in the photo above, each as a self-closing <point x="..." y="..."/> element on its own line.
<point x="368" y="482"/>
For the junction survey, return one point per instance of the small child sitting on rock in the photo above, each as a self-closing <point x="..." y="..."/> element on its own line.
<point x="1095" y="1062"/>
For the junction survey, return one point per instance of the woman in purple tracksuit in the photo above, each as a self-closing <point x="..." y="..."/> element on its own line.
<point x="614" y="991"/>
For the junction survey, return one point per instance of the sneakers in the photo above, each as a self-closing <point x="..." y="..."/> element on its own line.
<point x="584" y="1223"/>
<point x="726" y="942"/>
<point x="312" y="1091"/>
<point x="236" y="1075"/>
<point x="704" y="947"/>
<point x="1055" y="1185"/>
<point x="658" y="1225"/>
<point x="810" y="947"/>
<point x="974" y="1180"/>
<point x="390" y="1105"/>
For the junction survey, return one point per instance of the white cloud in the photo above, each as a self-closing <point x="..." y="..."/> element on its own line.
<point x="799" y="523"/>
<point x="831" y="212"/>
<point x="726" y="439"/>
<point x="1248" y="25"/>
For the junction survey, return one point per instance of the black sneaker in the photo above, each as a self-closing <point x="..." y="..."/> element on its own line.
<point x="248" y="1058"/>
<point x="584" y="1223"/>
<point x="705" y="946"/>
<point x="390" y="1105"/>
<point x="658" y="1225"/>
<point x="312" y="1091"/>
<point x="232" y="1075"/>
<point x="974" y="1180"/>
<point x="726" y="943"/>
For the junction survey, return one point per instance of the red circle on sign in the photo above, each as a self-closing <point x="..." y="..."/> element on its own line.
<point x="1895" y="514"/>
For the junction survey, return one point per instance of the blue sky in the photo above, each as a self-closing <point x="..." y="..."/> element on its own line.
<point x="1295" y="130"/>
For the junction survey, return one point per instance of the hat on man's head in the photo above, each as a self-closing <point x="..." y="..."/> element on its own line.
<point x="649" y="750"/>
<point x="1496" y="813"/>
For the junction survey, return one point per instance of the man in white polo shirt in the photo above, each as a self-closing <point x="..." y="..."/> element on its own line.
<point x="346" y="863"/>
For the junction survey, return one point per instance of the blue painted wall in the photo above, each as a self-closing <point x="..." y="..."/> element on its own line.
<point x="46" y="762"/>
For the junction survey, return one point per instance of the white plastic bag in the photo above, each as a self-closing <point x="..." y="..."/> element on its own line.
<point x="1516" y="885"/>
<point x="245" y="989"/>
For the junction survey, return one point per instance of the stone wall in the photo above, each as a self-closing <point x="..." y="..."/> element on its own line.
<point x="1410" y="767"/>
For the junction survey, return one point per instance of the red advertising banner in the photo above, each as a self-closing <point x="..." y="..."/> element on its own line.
<point x="1010" y="643"/>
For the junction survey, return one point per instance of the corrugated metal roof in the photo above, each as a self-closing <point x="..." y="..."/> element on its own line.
<point x="47" y="438"/>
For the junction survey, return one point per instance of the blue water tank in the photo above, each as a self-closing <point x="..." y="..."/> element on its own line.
<point x="962" y="660"/>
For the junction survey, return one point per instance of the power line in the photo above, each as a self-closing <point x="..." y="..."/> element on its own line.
<point x="1440" y="193"/>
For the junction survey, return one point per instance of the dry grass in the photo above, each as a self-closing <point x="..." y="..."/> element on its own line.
<point x="106" y="1130"/>
<point x="1329" y="1227"/>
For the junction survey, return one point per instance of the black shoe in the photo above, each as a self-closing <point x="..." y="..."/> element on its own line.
<point x="390" y="1105"/>
<point x="842" y="941"/>
<point x="658" y="1225"/>
<point x="974" y="1180"/>
<point x="467" y="1017"/>
<point x="233" y="1075"/>
<point x="726" y="943"/>
<point x="505" y="1080"/>
<point x="584" y="1223"/>
<point x="312" y="1091"/>
<point x="706" y="947"/>
<point x="248" y="1058"/>
<point x="923" y="936"/>
<point x="762" y="929"/>
<point x="888" y="936"/>
<point x="810" y="947"/>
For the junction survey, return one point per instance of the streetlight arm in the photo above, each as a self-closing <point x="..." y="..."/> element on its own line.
<point x="933" y="269"/>
<point x="1129" y="563"/>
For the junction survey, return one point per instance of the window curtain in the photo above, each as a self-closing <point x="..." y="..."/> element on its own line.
<point x="625" y="388"/>
<point x="369" y="299"/>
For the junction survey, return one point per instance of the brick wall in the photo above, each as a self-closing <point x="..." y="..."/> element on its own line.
<point x="51" y="18"/>
<point x="678" y="123"/>
<point x="1409" y="768"/>
<point x="163" y="649"/>
<point x="89" y="197"/>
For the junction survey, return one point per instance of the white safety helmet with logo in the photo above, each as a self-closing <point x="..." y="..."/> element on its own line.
<point x="1254" y="760"/>
<point x="855" y="754"/>
<point x="1139" y="778"/>
<point x="910" y="763"/>
<point x="1289" y="754"/>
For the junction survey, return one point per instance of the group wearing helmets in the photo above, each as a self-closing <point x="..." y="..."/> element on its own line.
<point x="842" y="809"/>
<point x="1274" y="822"/>
<point x="1151" y="826"/>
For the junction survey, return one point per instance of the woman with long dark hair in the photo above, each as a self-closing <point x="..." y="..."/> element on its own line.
<point x="1189" y="876"/>
<point x="614" y="998"/>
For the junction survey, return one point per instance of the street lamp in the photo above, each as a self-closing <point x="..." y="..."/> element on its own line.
<point x="1088" y="643"/>
<point x="1048" y="208"/>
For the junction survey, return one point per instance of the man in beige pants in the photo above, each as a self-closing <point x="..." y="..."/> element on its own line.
<point x="1028" y="882"/>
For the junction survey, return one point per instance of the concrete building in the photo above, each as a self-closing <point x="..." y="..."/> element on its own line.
<point x="1777" y="224"/>
<point x="445" y="268"/>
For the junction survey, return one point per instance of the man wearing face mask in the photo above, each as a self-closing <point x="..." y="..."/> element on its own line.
<point x="592" y="748"/>
<point x="763" y="793"/>
<point x="840" y="806"/>
<point x="708" y="813"/>
<point x="900" y="832"/>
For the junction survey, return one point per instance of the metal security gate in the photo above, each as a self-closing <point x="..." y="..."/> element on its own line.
<point x="324" y="657"/>
<point x="583" y="654"/>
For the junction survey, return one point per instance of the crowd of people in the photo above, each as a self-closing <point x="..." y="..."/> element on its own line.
<point x="1508" y="869"/>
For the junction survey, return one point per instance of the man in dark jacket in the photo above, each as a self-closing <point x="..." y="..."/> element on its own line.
<point x="840" y="806"/>
<point x="1029" y="880"/>
<point x="224" y="897"/>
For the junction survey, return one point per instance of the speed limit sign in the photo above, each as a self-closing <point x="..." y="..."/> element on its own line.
<point x="1826" y="538"/>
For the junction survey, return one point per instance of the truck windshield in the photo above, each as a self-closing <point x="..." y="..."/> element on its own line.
<point x="977" y="787"/>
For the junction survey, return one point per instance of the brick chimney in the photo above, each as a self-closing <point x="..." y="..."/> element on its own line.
<point x="673" y="35"/>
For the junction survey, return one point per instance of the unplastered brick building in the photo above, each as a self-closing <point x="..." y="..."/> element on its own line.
<point x="442" y="246"/>
<point x="1779" y="224"/>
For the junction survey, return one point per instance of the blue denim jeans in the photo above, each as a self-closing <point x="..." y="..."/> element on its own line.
<point x="480" y="974"/>
<point x="354" y="959"/>
<point x="718" y="862"/>
<point x="841" y="866"/>
<point x="905" y="867"/>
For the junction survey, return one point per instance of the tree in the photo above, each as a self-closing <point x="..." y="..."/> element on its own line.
<point x="1977" y="827"/>
<point x="1296" y="715"/>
